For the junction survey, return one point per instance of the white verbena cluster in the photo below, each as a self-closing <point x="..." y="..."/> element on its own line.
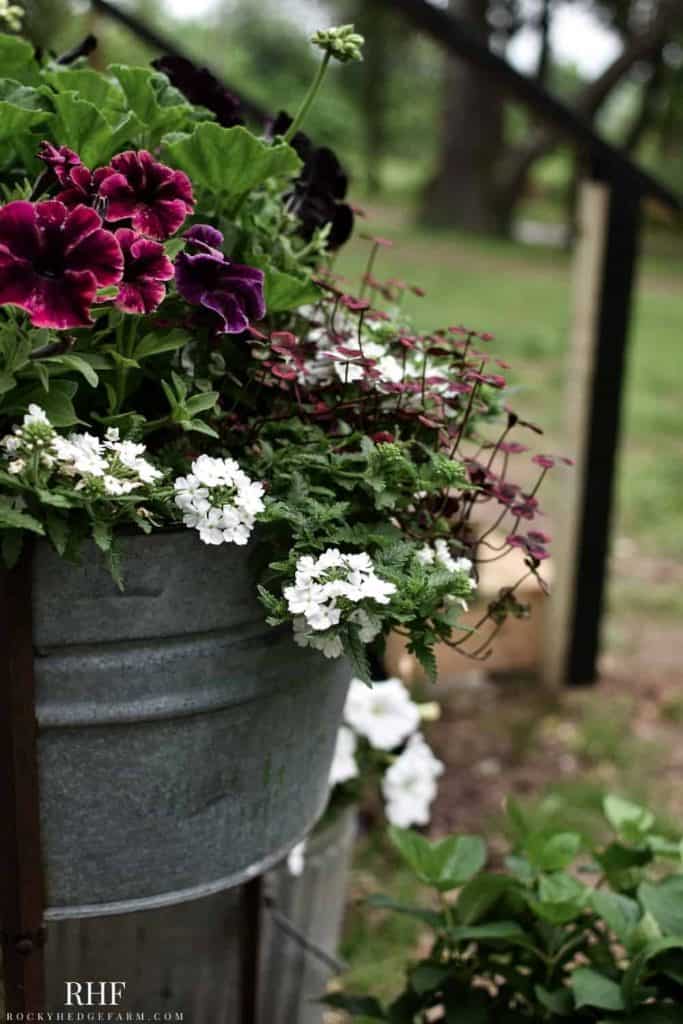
<point x="219" y="500"/>
<point x="326" y="595"/>
<point x="109" y="466"/>
<point x="438" y="555"/>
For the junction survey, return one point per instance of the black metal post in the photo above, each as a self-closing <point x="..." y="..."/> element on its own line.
<point x="602" y="441"/>
<point x="22" y="882"/>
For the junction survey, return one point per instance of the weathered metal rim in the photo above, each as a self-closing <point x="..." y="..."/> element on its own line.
<point x="170" y="899"/>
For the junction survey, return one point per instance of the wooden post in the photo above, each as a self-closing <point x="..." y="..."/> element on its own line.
<point x="21" y="881"/>
<point x="606" y="254"/>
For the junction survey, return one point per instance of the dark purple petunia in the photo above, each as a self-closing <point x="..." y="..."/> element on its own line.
<point x="53" y="260"/>
<point x="156" y="198"/>
<point x="319" y="189"/>
<point x="206" y="278"/>
<point x="201" y="87"/>
<point x="145" y="269"/>
<point x="60" y="159"/>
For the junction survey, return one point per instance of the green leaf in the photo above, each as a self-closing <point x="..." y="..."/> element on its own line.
<point x="7" y="383"/>
<point x="561" y="898"/>
<point x="623" y="865"/>
<point x="663" y="847"/>
<point x="430" y="917"/>
<point x="285" y="291"/>
<point x="480" y="895"/>
<point x="58" y="403"/>
<point x="620" y="913"/>
<point x="21" y="110"/>
<point x="90" y="85"/>
<point x="446" y="864"/>
<point x="641" y="966"/>
<point x="17" y="57"/>
<point x="428" y="976"/>
<point x="11" y="545"/>
<point x="168" y="341"/>
<point x="102" y="535"/>
<point x="143" y="89"/>
<point x="74" y="362"/>
<point x="665" y="902"/>
<point x="57" y="530"/>
<point x="591" y="988"/>
<point x="554" y="853"/>
<point x="229" y="162"/>
<point x="201" y="403"/>
<point x="559" y="1001"/>
<point x="495" y="931"/>
<point x="356" y="1005"/>
<point x="629" y="820"/>
<point x="12" y="518"/>
<point x="82" y="127"/>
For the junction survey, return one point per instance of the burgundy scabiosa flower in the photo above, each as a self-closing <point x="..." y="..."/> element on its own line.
<point x="154" y="197"/>
<point x="145" y="269"/>
<point x="201" y="87"/>
<point x="204" y="277"/>
<point x="53" y="260"/>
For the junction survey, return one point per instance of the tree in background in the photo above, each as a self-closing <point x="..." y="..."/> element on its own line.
<point x="483" y="170"/>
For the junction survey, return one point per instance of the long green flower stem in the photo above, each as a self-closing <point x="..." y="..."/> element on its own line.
<point x="308" y="98"/>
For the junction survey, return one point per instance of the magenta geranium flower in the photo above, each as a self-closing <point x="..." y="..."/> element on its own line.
<point x="53" y="260"/>
<point x="156" y="198"/>
<point x="206" y="278"/>
<point x="60" y="159"/>
<point x="82" y="185"/>
<point x="145" y="269"/>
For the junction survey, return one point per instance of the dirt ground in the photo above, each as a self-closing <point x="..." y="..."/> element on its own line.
<point x="502" y="737"/>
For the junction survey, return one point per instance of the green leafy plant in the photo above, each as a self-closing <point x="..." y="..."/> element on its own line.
<point x="569" y="931"/>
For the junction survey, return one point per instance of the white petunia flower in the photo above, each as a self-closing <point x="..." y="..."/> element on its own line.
<point x="296" y="860"/>
<point x="344" y="766"/>
<point x="383" y="713"/>
<point x="409" y="784"/>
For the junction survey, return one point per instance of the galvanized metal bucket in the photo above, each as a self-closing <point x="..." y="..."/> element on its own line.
<point x="183" y="745"/>
<point x="293" y="977"/>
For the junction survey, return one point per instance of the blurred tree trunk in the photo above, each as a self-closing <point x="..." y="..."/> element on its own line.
<point x="481" y="176"/>
<point x="375" y="23"/>
<point x="463" y="193"/>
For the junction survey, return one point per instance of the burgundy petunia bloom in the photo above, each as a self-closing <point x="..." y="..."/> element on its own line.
<point x="317" y="197"/>
<point x="201" y="87"/>
<point x="60" y="159"/>
<point x="206" y="278"/>
<point x="53" y="260"/>
<point x="145" y="269"/>
<point x="156" y="198"/>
